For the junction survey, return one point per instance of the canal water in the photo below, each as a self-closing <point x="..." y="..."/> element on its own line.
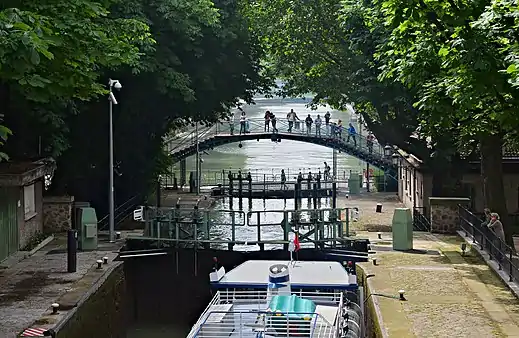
<point x="264" y="157"/>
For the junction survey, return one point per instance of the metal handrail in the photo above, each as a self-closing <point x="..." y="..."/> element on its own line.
<point x="256" y="126"/>
<point x="121" y="212"/>
<point x="488" y="241"/>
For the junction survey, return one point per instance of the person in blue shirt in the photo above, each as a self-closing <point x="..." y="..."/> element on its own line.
<point x="351" y="134"/>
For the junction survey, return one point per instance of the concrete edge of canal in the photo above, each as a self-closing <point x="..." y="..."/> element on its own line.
<point x="94" y="307"/>
<point x="372" y="314"/>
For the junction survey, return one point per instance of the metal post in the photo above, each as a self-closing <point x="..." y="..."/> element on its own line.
<point x="198" y="173"/>
<point x="367" y="178"/>
<point x="334" y="164"/>
<point x="111" y="217"/>
<point x="334" y="195"/>
<point x="71" y="251"/>
<point x="158" y="195"/>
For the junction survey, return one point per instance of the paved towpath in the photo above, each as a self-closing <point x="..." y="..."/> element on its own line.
<point x="29" y="287"/>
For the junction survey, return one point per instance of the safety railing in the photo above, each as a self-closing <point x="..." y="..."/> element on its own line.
<point x="266" y="229"/>
<point x="330" y="132"/>
<point x="500" y="252"/>
<point x="247" y="313"/>
<point x="121" y="212"/>
<point x="420" y="220"/>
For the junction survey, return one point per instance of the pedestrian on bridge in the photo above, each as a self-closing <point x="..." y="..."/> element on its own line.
<point x="231" y="120"/>
<point x="292" y="118"/>
<point x="308" y="122"/>
<point x="351" y="134"/>
<point x="318" y="123"/>
<point x="268" y="116"/>
<point x="243" y="123"/>
<point x="274" y="121"/>
<point x="327" y="117"/>
<point x="369" y="140"/>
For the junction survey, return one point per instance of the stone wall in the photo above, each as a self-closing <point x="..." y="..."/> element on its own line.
<point x="103" y="313"/>
<point x="444" y="213"/>
<point x="32" y="226"/>
<point x="57" y="213"/>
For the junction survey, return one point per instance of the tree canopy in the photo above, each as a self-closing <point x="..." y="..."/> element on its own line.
<point x="177" y="60"/>
<point x="432" y="77"/>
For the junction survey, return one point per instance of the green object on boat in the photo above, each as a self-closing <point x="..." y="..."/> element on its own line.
<point x="295" y="306"/>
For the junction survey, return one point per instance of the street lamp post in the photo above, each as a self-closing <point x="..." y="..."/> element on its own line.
<point x="112" y="84"/>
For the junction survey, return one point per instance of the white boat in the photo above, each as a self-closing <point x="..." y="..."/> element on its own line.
<point x="267" y="299"/>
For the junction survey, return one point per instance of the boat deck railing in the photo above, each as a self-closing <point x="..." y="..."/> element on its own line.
<point x="243" y="313"/>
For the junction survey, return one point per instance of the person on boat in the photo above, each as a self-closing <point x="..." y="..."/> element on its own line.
<point x="292" y="118"/>
<point x="327" y="117"/>
<point x="283" y="179"/>
<point x="268" y="115"/>
<point x="243" y="123"/>
<point x="351" y="134"/>
<point x="318" y="123"/>
<point x="308" y="122"/>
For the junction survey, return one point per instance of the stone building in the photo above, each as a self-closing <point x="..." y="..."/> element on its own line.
<point x="415" y="183"/>
<point x="21" y="203"/>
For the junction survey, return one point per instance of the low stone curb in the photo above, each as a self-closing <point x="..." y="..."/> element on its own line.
<point x="40" y="246"/>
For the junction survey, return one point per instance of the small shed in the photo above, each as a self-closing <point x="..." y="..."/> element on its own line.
<point x="21" y="202"/>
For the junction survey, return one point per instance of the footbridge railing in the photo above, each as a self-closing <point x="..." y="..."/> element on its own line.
<point x="330" y="135"/>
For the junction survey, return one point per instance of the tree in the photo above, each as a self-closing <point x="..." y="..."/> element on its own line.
<point x="329" y="47"/>
<point x="50" y="56"/>
<point x="204" y="59"/>
<point x="445" y="51"/>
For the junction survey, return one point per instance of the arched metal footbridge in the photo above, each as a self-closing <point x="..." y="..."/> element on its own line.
<point x="209" y="137"/>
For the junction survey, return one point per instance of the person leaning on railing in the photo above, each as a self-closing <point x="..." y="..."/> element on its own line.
<point x="487" y="217"/>
<point x="497" y="227"/>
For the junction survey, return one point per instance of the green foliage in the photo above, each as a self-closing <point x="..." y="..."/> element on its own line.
<point x="327" y="47"/>
<point x="204" y="60"/>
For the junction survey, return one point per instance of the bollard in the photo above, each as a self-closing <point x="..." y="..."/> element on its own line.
<point x="71" y="250"/>
<point x="117" y="235"/>
<point x="55" y="308"/>
<point x="105" y="260"/>
<point x="401" y="293"/>
<point x="379" y="207"/>
<point x="99" y="264"/>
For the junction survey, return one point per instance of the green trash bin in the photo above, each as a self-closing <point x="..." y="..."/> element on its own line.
<point x="354" y="184"/>
<point x="402" y="227"/>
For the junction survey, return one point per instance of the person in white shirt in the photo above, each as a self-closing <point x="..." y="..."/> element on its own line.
<point x="243" y="122"/>
<point x="291" y="117"/>
<point x="318" y="123"/>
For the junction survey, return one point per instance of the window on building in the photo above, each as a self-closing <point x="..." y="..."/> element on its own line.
<point x="29" y="201"/>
